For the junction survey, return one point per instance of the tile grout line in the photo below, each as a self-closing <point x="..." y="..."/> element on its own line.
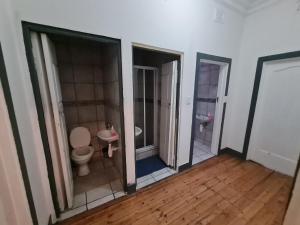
<point x="86" y="201"/>
<point x="111" y="190"/>
<point x="100" y="198"/>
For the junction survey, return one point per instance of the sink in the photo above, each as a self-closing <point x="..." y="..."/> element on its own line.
<point x="203" y="119"/>
<point x="106" y="135"/>
<point x="137" y="131"/>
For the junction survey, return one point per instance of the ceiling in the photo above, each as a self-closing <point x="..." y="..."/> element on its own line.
<point x="248" y="6"/>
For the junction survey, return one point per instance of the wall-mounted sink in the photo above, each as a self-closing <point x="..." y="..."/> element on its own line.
<point x="137" y="131"/>
<point x="203" y="119"/>
<point x="108" y="135"/>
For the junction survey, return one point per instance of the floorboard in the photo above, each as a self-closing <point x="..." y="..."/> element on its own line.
<point x="221" y="191"/>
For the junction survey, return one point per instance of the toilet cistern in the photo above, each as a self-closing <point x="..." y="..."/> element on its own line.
<point x="109" y="136"/>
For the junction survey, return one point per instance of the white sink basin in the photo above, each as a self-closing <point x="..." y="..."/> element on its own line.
<point x="203" y="119"/>
<point x="106" y="135"/>
<point x="137" y="131"/>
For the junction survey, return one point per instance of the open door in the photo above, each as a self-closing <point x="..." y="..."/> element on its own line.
<point x="58" y="114"/>
<point x="48" y="114"/>
<point x="168" y="110"/>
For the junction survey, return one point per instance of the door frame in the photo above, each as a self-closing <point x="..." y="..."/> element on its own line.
<point x="255" y="91"/>
<point x="259" y="69"/>
<point x="17" y="139"/>
<point x="178" y="92"/>
<point x="39" y="28"/>
<point x="219" y="61"/>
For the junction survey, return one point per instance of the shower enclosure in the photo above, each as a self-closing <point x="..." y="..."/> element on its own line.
<point x="145" y="107"/>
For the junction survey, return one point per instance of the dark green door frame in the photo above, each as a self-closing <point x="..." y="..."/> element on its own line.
<point x="32" y="27"/>
<point x="214" y="58"/>
<point x="17" y="139"/>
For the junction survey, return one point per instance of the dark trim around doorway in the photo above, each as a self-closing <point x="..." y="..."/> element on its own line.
<point x="258" y="74"/>
<point x="203" y="56"/>
<point x="259" y="68"/>
<point x="33" y="27"/>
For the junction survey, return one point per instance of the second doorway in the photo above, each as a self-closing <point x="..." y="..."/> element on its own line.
<point x="155" y="82"/>
<point x="209" y="106"/>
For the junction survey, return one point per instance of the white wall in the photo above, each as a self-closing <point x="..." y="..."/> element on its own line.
<point x="14" y="207"/>
<point x="271" y="31"/>
<point x="184" y="26"/>
<point x="292" y="216"/>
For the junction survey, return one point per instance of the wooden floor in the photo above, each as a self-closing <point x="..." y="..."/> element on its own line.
<point x="222" y="190"/>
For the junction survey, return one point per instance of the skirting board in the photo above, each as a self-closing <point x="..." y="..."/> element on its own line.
<point x="232" y="152"/>
<point x="184" y="167"/>
<point x="131" y="189"/>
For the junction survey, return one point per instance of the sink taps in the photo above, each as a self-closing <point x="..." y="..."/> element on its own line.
<point x="108" y="125"/>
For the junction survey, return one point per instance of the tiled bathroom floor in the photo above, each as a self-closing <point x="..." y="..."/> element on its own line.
<point x="102" y="171"/>
<point x="153" y="177"/>
<point x="201" y="152"/>
<point x="102" y="185"/>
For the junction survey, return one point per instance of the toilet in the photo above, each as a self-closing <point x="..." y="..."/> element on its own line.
<point x="80" y="139"/>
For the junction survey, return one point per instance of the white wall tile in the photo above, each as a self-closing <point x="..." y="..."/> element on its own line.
<point x="145" y="183"/>
<point x="98" y="193"/>
<point x="72" y="212"/>
<point x="100" y="201"/>
<point x="79" y="200"/>
<point x="162" y="176"/>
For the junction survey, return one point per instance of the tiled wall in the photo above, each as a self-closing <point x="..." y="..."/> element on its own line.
<point x="112" y="98"/>
<point x="207" y="93"/>
<point x="81" y="75"/>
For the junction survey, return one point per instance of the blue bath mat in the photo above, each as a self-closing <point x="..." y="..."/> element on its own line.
<point x="149" y="165"/>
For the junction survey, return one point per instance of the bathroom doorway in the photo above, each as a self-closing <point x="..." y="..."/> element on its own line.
<point x="79" y="83"/>
<point x="156" y="76"/>
<point x="211" y="88"/>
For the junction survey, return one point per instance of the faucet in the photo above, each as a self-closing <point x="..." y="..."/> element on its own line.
<point x="108" y="125"/>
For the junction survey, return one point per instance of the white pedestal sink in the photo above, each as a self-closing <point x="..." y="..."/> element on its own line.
<point x="137" y="131"/>
<point x="109" y="136"/>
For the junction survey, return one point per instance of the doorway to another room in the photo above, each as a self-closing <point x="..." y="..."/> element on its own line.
<point x="156" y="88"/>
<point x="209" y="107"/>
<point x="272" y="137"/>
<point x="80" y="86"/>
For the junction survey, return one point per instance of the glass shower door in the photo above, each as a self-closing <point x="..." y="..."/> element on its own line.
<point x="144" y="107"/>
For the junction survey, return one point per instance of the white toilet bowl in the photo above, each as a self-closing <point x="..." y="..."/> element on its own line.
<point x="80" y="138"/>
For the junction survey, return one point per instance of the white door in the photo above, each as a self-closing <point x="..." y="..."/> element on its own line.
<point x="275" y="136"/>
<point x="221" y="99"/>
<point x="49" y="118"/>
<point x="167" y="113"/>
<point x="59" y="118"/>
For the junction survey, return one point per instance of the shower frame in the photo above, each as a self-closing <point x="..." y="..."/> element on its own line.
<point x="155" y="106"/>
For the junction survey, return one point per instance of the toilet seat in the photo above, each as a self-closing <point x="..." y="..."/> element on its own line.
<point x="80" y="137"/>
